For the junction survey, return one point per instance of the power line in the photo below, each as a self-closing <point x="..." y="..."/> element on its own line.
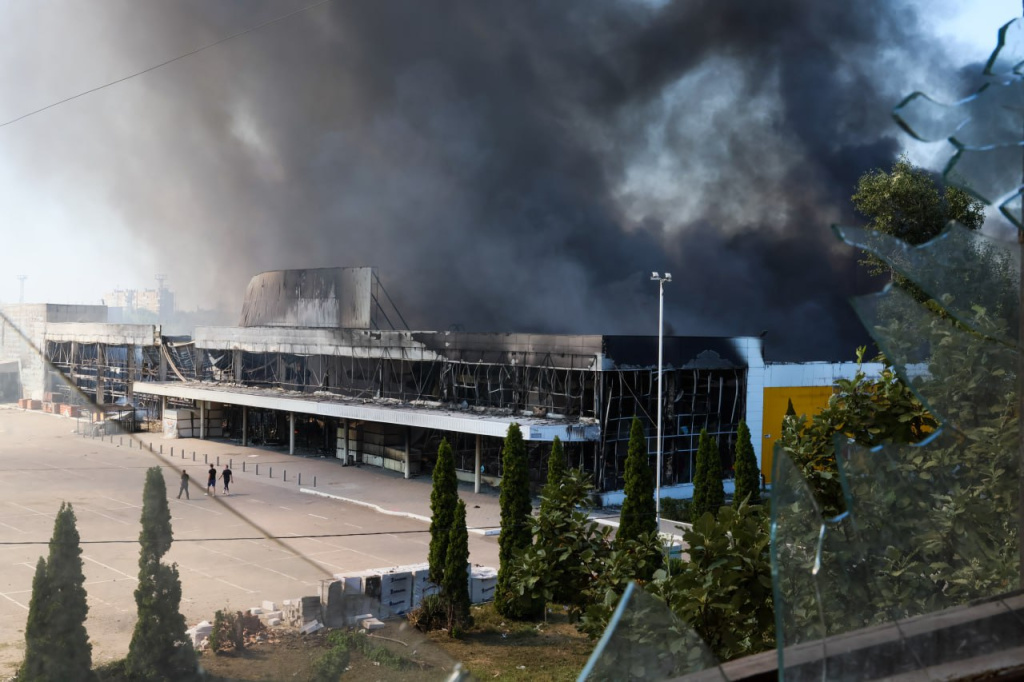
<point x="165" y="63"/>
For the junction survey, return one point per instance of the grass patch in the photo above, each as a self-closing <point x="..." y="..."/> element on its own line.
<point x="512" y="650"/>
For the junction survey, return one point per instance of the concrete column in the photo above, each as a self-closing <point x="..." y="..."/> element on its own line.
<point x="291" y="433"/>
<point x="162" y="371"/>
<point x="344" y="430"/>
<point x="407" y="439"/>
<point x="74" y="362"/>
<point x="236" y="365"/>
<point x="245" y="426"/>
<point x="476" y="468"/>
<point x="163" y="407"/>
<point x="129" y="390"/>
<point x="202" y="419"/>
<point x="101" y="360"/>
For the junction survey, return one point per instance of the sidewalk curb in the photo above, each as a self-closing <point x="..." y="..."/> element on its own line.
<point x="381" y="510"/>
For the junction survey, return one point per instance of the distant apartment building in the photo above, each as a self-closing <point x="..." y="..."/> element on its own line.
<point x="159" y="302"/>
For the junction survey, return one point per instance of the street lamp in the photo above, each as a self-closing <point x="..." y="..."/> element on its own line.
<point x="655" y="277"/>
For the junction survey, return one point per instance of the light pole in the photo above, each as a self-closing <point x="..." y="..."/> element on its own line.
<point x="655" y="277"/>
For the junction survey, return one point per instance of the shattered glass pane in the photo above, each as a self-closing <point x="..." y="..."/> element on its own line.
<point x="1008" y="57"/>
<point x="962" y="269"/>
<point x="645" y="641"/>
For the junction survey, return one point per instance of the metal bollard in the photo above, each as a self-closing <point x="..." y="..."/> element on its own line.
<point x="193" y="455"/>
<point x="218" y="460"/>
<point x="162" y="449"/>
<point x="120" y="441"/>
<point x="314" y="481"/>
<point x="257" y="468"/>
<point x="206" y="458"/>
<point x="271" y="474"/>
<point x="243" y="466"/>
<point x="300" y="478"/>
<point x="285" y="475"/>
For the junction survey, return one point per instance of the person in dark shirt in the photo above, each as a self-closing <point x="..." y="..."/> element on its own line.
<point x="226" y="477"/>
<point x="184" y="485"/>
<point x="211" y="480"/>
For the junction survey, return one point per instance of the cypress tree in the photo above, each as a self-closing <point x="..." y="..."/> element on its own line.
<point x="515" y="530"/>
<point x="443" y="497"/>
<point x="638" y="515"/>
<point x="160" y="649"/>
<point x="556" y="470"/>
<point x="790" y="411"/>
<point x="748" y="478"/>
<point x="455" y="584"/>
<point x="708" y="493"/>
<point x="56" y="644"/>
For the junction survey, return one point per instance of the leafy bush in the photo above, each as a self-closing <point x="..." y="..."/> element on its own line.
<point x="431" y="614"/>
<point x="675" y="509"/>
<point x="227" y="632"/>
<point x="725" y="590"/>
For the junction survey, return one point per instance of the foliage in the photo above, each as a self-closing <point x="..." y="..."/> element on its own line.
<point x="515" y="537"/>
<point x="708" y="491"/>
<point x="748" y="476"/>
<point x="907" y="203"/>
<point x="639" y="513"/>
<point x="568" y="547"/>
<point x="639" y="556"/>
<point x="455" y="584"/>
<point x="430" y="614"/>
<point x="725" y="590"/>
<point x="443" y="497"/>
<point x="675" y="509"/>
<point x="869" y="412"/>
<point x="331" y="666"/>
<point x="160" y="648"/>
<point x="350" y="640"/>
<point x="58" y="609"/>
<point x="790" y="410"/>
<point x="556" y="470"/>
<point x="227" y="632"/>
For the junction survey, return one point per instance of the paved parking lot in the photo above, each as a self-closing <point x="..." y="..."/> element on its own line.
<point x="223" y="558"/>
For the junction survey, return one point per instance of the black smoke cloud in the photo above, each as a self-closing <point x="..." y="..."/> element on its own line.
<point x="508" y="166"/>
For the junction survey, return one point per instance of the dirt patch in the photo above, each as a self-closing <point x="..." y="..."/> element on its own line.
<point x="492" y="648"/>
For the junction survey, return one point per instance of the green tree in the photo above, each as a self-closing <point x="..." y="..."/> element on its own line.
<point x="907" y="203"/>
<point x="556" y="472"/>
<point x="568" y="547"/>
<point x="443" y="497"/>
<point x="708" y="493"/>
<point x="790" y="410"/>
<point x="455" y="583"/>
<point x="56" y="644"/>
<point x="160" y="648"/>
<point x="515" y="536"/>
<point x="724" y="590"/>
<point x="748" y="477"/>
<point x="639" y="514"/>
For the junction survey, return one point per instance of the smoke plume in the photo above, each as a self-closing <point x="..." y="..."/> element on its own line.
<point x="516" y="166"/>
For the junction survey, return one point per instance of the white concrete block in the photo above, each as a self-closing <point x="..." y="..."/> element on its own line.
<point x="269" y="606"/>
<point x="371" y="624"/>
<point x="274" y="621"/>
<point x="311" y="627"/>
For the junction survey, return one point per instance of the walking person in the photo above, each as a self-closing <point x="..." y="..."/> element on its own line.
<point x="226" y="477"/>
<point x="184" y="485"/>
<point x="211" y="481"/>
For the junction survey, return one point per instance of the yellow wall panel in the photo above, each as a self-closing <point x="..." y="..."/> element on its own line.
<point x="807" y="400"/>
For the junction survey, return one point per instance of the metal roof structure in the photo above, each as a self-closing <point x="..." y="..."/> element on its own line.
<point x="461" y="421"/>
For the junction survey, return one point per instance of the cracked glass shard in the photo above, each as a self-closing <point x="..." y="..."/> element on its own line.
<point x="961" y="270"/>
<point x="644" y="640"/>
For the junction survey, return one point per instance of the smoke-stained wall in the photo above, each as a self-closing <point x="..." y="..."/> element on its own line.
<point x="508" y="166"/>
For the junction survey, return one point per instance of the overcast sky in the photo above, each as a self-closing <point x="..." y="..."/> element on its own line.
<point x="508" y="166"/>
